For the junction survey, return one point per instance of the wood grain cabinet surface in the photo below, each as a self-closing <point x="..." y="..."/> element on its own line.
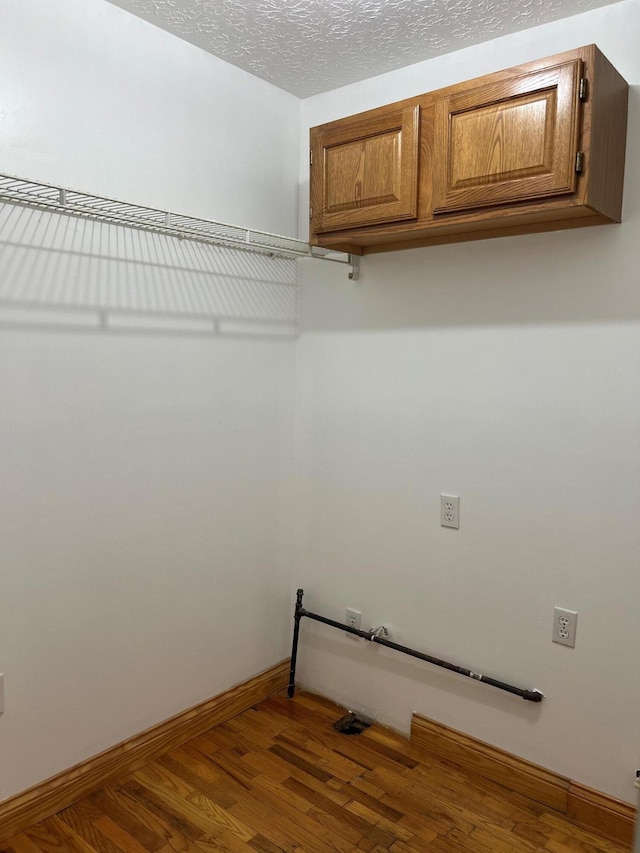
<point x="370" y="170"/>
<point x="534" y="148"/>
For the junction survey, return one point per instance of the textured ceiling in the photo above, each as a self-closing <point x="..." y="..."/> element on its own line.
<point x="311" y="46"/>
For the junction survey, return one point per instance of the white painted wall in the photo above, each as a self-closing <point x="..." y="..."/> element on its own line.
<point x="144" y="474"/>
<point x="144" y="469"/>
<point x="98" y="100"/>
<point x="508" y="372"/>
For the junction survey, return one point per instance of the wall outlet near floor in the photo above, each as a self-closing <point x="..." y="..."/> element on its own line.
<point x="449" y="511"/>
<point x="565" y="623"/>
<point x="353" y="620"/>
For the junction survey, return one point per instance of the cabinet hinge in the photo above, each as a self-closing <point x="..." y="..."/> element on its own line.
<point x="579" y="161"/>
<point x="310" y="213"/>
<point x="582" y="89"/>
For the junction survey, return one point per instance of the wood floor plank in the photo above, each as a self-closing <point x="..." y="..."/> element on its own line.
<point x="120" y="837"/>
<point x="120" y="815"/>
<point x="263" y="845"/>
<point x="280" y="830"/>
<point x="278" y="778"/>
<point x="424" y="825"/>
<point x="253" y="737"/>
<point x="337" y="765"/>
<point x="495" y="808"/>
<point x="372" y="803"/>
<point x="202" y="744"/>
<point x="394" y="828"/>
<point x="225" y="843"/>
<point x="167" y="811"/>
<point x="192" y="804"/>
<point x="563" y="829"/>
<point x="196" y="777"/>
<point x="362" y="785"/>
<point x="406" y="847"/>
<point x="158" y="824"/>
<point x="362" y="752"/>
<point x="81" y="823"/>
<point x="53" y="835"/>
<point x="235" y="724"/>
<point x="19" y="844"/>
<point x="262" y="720"/>
<point x="301" y="763"/>
<point x="233" y="766"/>
<point x="203" y="765"/>
<point x="499" y="840"/>
<point x="341" y="813"/>
<point x="268" y="764"/>
<point x="233" y="742"/>
<point x="284" y="802"/>
<point x="278" y="770"/>
<point x="265" y="788"/>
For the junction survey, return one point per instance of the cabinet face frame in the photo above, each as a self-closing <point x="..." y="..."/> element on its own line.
<point x="544" y="108"/>
<point x="374" y="168"/>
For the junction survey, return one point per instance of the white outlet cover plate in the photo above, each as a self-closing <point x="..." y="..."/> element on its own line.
<point x="565" y="624"/>
<point x="450" y="511"/>
<point x="353" y="620"/>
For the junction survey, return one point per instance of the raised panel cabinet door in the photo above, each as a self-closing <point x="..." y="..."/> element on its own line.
<point x="512" y="140"/>
<point x="366" y="172"/>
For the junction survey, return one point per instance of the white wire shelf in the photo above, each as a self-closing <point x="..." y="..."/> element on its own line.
<point x="56" y="199"/>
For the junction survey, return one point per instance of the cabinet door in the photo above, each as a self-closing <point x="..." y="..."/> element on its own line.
<point x="365" y="171"/>
<point x="512" y="140"/>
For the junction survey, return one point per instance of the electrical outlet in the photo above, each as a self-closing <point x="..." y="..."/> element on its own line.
<point x="449" y="511"/>
<point x="565" y="623"/>
<point x="353" y="620"/>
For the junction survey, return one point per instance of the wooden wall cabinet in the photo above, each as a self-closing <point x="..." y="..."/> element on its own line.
<point x="534" y="148"/>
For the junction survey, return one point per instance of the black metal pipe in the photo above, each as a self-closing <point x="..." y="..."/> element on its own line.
<point x="294" y="646"/>
<point x="300" y="612"/>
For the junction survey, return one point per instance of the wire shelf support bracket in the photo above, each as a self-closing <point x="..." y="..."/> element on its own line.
<point x="61" y="200"/>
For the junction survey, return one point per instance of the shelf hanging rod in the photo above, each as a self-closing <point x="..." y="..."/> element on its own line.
<point x="56" y="199"/>
<point x="378" y="636"/>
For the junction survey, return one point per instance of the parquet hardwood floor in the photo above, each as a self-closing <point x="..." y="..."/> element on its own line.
<point x="280" y="778"/>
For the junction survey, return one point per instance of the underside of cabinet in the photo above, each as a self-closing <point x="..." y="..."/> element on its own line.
<point x="464" y="230"/>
